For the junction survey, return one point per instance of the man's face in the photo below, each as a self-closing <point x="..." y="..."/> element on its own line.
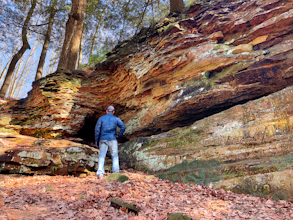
<point x="110" y="112"/>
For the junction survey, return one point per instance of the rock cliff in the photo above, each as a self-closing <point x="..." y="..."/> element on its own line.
<point x="212" y="56"/>
<point x="246" y="149"/>
<point x="180" y="72"/>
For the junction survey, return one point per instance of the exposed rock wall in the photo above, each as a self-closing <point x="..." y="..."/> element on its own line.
<point x="247" y="148"/>
<point x="28" y="155"/>
<point x="214" y="55"/>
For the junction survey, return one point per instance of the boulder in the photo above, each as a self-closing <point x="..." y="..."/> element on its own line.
<point x="178" y="216"/>
<point x="119" y="204"/>
<point x="21" y="154"/>
<point x="117" y="176"/>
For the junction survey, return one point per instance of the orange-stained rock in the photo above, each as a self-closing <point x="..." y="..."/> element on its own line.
<point x="216" y="36"/>
<point x="28" y="155"/>
<point x="171" y="74"/>
<point x="259" y="40"/>
<point x="243" y="148"/>
<point x="242" y="48"/>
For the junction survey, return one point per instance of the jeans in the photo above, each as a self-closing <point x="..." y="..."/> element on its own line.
<point x="113" y="146"/>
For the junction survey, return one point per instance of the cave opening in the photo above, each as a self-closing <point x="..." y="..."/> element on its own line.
<point x="87" y="132"/>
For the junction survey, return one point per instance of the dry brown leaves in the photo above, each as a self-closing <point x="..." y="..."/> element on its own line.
<point x="68" y="197"/>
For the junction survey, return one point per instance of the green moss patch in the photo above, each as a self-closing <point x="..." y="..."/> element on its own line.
<point x="117" y="176"/>
<point x="196" y="171"/>
<point x="178" y="216"/>
<point x="230" y="70"/>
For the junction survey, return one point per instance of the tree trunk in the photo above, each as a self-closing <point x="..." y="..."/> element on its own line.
<point x="46" y="41"/>
<point x="3" y="71"/>
<point x="80" y="49"/>
<point x="52" y="62"/>
<point x="97" y="30"/>
<point x="9" y="60"/>
<point x="121" y="36"/>
<point x="142" y="16"/>
<point x="74" y="25"/>
<point x="23" y="73"/>
<point x="176" y="5"/>
<point x="14" y="79"/>
<point x="18" y="55"/>
<point x="3" y="53"/>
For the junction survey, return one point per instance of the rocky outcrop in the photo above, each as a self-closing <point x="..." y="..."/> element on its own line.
<point x="247" y="149"/>
<point x="187" y="73"/>
<point x="215" y="55"/>
<point x="28" y="155"/>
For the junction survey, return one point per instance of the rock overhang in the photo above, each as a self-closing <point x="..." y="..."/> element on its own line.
<point x="172" y="73"/>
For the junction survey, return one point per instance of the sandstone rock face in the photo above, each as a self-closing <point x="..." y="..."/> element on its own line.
<point x="247" y="148"/>
<point x="177" y="73"/>
<point x="6" y="117"/>
<point x="216" y="54"/>
<point x="28" y="155"/>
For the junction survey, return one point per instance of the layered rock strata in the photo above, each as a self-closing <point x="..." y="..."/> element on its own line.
<point x="247" y="148"/>
<point x="28" y="155"/>
<point x="216" y="54"/>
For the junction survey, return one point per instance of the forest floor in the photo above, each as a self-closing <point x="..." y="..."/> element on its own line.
<point x="68" y="197"/>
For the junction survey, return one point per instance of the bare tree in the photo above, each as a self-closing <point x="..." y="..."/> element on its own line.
<point x="97" y="29"/>
<point x="46" y="41"/>
<point x="19" y="54"/>
<point x="80" y="49"/>
<point x="176" y="5"/>
<point x="14" y="78"/>
<point x="22" y="76"/>
<point x="9" y="60"/>
<point x="121" y="36"/>
<point x="72" y="39"/>
<point x="143" y="15"/>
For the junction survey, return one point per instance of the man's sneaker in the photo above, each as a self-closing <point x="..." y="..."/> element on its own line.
<point x="100" y="176"/>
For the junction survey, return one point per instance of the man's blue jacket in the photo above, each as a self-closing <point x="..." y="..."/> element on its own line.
<point x="106" y="127"/>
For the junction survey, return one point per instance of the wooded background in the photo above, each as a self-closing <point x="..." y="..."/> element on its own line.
<point x="39" y="36"/>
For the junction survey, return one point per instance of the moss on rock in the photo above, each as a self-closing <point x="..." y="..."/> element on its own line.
<point x="117" y="176"/>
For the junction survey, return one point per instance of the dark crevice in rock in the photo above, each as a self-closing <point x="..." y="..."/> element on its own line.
<point x="274" y="41"/>
<point x="87" y="133"/>
<point x="189" y="116"/>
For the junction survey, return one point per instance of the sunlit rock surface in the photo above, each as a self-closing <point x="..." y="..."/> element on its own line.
<point x="247" y="148"/>
<point x="21" y="154"/>
<point x="214" y="55"/>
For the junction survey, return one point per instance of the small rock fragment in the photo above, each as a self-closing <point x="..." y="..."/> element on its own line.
<point x="178" y="216"/>
<point x="116" y="203"/>
<point x="242" y="48"/>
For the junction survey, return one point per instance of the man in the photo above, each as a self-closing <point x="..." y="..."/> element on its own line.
<point x="105" y="131"/>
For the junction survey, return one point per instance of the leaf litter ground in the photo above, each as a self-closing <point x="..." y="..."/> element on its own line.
<point x="69" y="197"/>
